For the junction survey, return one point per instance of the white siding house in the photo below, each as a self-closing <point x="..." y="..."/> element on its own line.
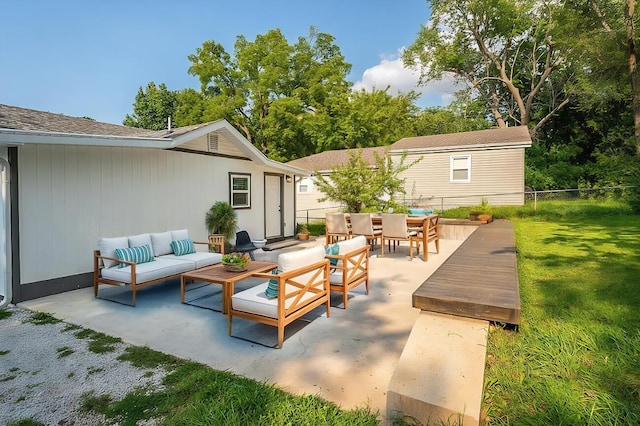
<point x="70" y="181"/>
<point x="461" y="169"/>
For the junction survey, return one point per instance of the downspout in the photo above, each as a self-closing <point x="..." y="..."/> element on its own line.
<point x="5" y="235"/>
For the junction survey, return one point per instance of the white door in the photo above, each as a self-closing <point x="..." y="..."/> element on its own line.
<point x="273" y="215"/>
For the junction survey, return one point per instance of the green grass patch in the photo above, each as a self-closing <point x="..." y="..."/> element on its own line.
<point x="71" y="327"/>
<point x="5" y="314"/>
<point x="94" y="370"/>
<point x="143" y="357"/>
<point x="64" y="351"/>
<point x="192" y="393"/>
<point x="575" y="359"/>
<point x="7" y="378"/>
<point x="25" y="422"/>
<point x="4" y="352"/>
<point x="42" y="318"/>
<point x="98" y="342"/>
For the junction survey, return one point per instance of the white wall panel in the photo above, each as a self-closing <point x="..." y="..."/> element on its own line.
<point x="71" y="196"/>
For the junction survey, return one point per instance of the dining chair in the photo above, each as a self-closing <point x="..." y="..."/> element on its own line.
<point x="336" y="227"/>
<point x="432" y="234"/>
<point x="394" y="228"/>
<point x="362" y="224"/>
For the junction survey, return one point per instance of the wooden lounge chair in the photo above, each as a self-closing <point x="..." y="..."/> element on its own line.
<point x="351" y="266"/>
<point x="302" y="285"/>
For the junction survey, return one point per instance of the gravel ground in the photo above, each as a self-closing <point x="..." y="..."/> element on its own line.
<point x="37" y="382"/>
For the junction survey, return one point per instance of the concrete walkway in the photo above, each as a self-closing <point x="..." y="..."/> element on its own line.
<point x="348" y="358"/>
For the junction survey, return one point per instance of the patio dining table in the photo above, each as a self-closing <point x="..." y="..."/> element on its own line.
<point x="415" y="222"/>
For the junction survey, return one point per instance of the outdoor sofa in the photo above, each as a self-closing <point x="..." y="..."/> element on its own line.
<point x="146" y="259"/>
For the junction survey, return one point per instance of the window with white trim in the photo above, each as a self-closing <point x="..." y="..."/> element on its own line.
<point x="240" y="190"/>
<point x="305" y="186"/>
<point x="460" y="169"/>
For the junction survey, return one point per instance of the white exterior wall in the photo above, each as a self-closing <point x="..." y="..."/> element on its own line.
<point x="308" y="206"/>
<point x="496" y="171"/>
<point x="71" y="196"/>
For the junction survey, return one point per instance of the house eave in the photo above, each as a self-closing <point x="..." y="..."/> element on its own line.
<point x="14" y="137"/>
<point x="460" y="148"/>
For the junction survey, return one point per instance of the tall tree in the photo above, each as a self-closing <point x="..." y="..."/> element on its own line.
<point x="505" y="49"/>
<point x="268" y="75"/>
<point x="152" y="108"/>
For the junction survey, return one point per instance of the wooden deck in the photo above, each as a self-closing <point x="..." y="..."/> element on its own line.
<point x="480" y="280"/>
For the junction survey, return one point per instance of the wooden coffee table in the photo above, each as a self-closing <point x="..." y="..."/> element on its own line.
<point x="216" y="274"/>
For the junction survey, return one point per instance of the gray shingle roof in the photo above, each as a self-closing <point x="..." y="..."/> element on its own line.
<point x="502" y="136"/>
<point x="17" y="118"/>
<point x="325" y="161"/>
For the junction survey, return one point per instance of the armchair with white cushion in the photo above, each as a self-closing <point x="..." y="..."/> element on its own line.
<point x="350" y="266"/>
<point x="300" y="285"/>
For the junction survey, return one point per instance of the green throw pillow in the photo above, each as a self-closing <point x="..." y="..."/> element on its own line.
<point x="141" y="254"/>
<point x="272" y="288"/>
<point x="333" y="250"/>
<point x="182" y="247"/>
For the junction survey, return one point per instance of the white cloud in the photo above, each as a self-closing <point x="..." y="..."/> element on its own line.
<point x="392" y="72"/>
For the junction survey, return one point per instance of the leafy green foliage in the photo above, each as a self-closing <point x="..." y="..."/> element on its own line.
<point x="222" y="219"/>
<point x="358" y="185"/>
<point x="5" y="314"/>
<point x="152" y="108"/>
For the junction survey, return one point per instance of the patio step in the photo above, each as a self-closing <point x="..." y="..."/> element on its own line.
<point x="439" y="376"/>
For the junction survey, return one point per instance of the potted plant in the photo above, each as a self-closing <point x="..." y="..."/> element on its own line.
<point x="481" y="212"/>
<point x="236" y="262"/>
<point x="303" y="231"/>
<point x="221" y="219"/>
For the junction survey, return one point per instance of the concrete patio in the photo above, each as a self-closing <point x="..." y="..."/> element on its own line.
<point x="348" y="358"/>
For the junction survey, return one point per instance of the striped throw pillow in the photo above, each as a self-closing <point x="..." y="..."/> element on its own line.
<point x="182" y="247"/>
<point x="272" y="289"/>
<point x="140" y="254"/>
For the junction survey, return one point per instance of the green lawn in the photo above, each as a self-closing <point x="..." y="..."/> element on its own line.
<point x="575" y="359"/>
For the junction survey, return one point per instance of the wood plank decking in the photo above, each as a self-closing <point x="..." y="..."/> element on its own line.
<point x="480" y="280"/>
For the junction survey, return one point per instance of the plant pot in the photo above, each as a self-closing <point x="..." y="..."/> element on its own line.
<point x="303" y="236"/>
<point x="234" y="268"/>
<point x="485" y="218"/>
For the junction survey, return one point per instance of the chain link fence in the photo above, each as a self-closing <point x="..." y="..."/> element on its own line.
<point x="446" y="203"/>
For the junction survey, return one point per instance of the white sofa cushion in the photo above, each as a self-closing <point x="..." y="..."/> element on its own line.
<point x="255" y="301"/>
<point x="140" y="240"/>
<point x="180" y="234"/>
<point x="199" y="259"/>
<point x="352" y="244"/>
<point x="346" y="246"/>
<point x="150" y="271"/>
<point x="108" y="246"/>
<point x="161" y="243"/>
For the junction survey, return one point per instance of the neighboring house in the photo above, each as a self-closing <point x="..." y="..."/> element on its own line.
<point x="308" y="194"/>
<point x="456" y="169"/>
<point x="69" y="181"/>
<point x="460" y="169"/>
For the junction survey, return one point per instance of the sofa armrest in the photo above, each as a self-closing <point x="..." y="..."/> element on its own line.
<point x="97" y="257"/>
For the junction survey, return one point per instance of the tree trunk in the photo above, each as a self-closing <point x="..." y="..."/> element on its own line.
<point x="634" y="79"/>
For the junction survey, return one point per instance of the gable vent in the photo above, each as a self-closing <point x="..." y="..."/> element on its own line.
<point x="212" y="142"/>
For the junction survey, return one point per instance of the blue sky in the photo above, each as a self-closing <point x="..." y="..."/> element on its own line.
<point x="84" y="58"/>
